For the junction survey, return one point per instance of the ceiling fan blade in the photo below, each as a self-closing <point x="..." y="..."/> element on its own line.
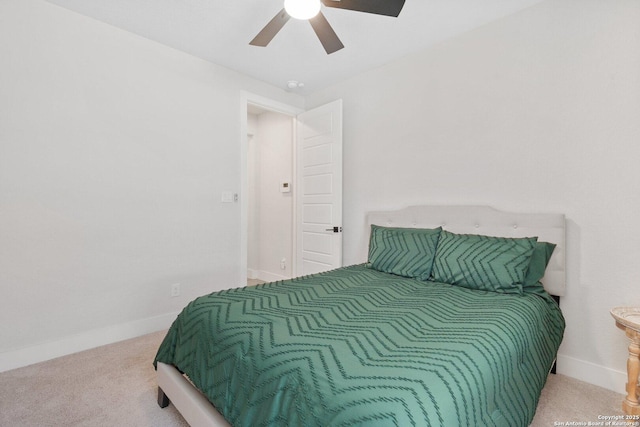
<point x="379" y="7"/>
<point x="325" y="33"/>
<point x="271" y="29"/>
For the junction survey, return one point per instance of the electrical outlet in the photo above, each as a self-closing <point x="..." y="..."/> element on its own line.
<point x="175" y="290"/>
<point x="283" y="264"/>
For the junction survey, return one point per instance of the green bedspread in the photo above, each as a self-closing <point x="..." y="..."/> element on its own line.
<point x="355" y="346"/>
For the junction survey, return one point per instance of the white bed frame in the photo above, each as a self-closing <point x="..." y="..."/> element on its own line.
<point x="199" y="412"/>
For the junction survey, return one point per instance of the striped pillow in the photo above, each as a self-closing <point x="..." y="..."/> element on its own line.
<point x="405" y="252"/>
<point x="497" y="264"/>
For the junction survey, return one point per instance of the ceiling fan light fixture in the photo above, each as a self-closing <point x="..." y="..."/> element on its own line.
<point x="302" y="9"/>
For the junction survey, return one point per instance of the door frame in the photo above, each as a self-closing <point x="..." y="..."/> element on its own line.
<point x="278" y="107"/>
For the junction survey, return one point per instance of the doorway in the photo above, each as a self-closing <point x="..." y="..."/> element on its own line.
<point x="311" y="185"/>
<point x="270" y="207"/>
<point x="257" y="105"/>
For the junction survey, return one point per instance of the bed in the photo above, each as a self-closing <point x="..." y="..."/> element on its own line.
<point x="468" y="340"/>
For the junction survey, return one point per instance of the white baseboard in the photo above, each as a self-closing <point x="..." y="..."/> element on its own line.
<point x="591" y="373"/>
<point x="266" y="276"/>
<point x="18" y="358"/>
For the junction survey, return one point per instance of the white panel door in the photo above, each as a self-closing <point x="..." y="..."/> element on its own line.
<point x="319" y="189"/>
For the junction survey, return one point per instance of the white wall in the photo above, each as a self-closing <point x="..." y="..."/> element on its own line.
<point x="538" y="112"/>
<point x="270" y="231"/>
<point x="114" y="153"/>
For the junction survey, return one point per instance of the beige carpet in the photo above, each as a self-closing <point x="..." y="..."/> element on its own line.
<point x="115" y="385"/>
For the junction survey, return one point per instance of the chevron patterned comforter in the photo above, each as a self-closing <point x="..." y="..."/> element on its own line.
<point x="355" y="346"/>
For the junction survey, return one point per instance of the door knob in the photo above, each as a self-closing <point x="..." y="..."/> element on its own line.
<point x="334" y="229"/>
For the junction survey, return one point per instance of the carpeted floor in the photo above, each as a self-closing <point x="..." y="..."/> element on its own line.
<point x="115" y="385"/>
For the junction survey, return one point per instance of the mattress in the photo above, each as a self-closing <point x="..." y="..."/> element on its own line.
<point x="355" y="346"/>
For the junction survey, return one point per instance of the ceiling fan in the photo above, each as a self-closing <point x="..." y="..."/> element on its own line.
<point x="310" y="10"/>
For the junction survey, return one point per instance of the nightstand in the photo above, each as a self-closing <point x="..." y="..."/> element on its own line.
<point x="628" y="319"/>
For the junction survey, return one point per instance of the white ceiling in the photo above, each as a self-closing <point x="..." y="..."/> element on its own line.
<point x="219" y="31"/>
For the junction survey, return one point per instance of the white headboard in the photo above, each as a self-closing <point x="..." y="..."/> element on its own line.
<point x="488" y="221"/>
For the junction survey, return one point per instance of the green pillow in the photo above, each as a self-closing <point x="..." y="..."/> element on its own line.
<point x="405" y="252"/>
<point x="538" y="263"/>
<point x="487" y="263"/>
